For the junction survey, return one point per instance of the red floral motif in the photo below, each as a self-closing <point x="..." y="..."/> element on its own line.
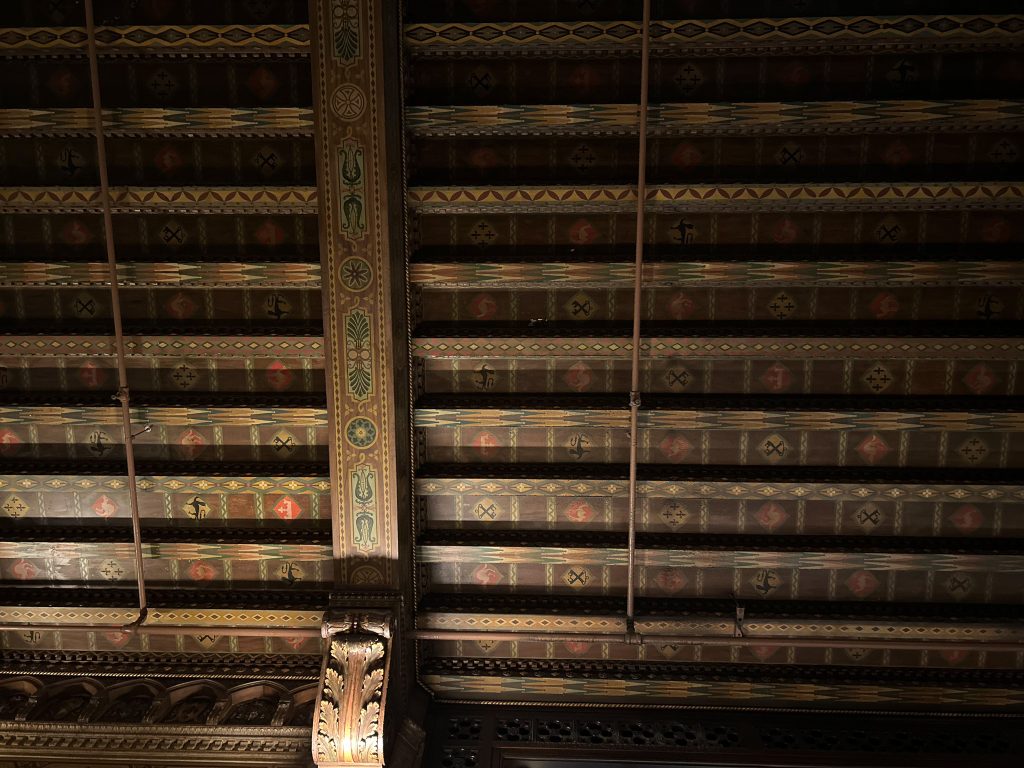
<point x="686" y="156"/>
<point x="75" y="232"/>
<point x="953" y="657"/>
<point x="996" y="230"/>
<point x="785" y="232"/>
<point x="897" y="153"/>
<point x="61" y="83"/>
<point x="269" y="234"/>
<point x="487" y="575"/>
<point x="763" y="652"/>
<point x="771" y="515"/>
<point x="884" y="306"/>
<point x="200" y="571"/>
<point x="483" y="158"/>
<point x="980" y="379"/>
<point x="873" y="449"/>
<point x="168" y="160"/>
<point x="670" y="580"/>
<point x="584" y="78"/>
<point x="92" y="375"/>
<point x="262" y="83"/>
<point x="9" y="442"/>
<point x="483" y="306"/>
<point x="862" y="583"/>
<point x="279" y="376"/>
<point x="579" y="377"/>
<point x="104" y="506"/>
<point x="579" y="511"/>
<point x="796" y="74"/>
<point x="776" y="378"/>
<point x="486" y="444"/>
<point x="675" y="447"/>
<point x="191" y="443"/>
<point x="23" y="570"/>
<point x="967" y="518"/>
<point x="117" y="639"/>
<point x="582" y="232"/>
<point x="181" y="306"/>
<point x="287" y="508"/>
<point x="576" y="647"/>
<point x="681" y="306"/>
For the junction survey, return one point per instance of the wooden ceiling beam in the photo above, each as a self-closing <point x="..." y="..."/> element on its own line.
<point x="159" y="200"/>
<point x="725" y="197"/>
<point x="265" y="39"/>
<point x="151" y="122"/>
<point x="711" y="273"/>
<point x="696" y="118"/>
<point x="709" y="344"/>
<point x="708" y="37"/>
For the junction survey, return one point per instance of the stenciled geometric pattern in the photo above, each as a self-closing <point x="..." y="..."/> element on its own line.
<point x="694" y="119"/>
<point x="277" y="38"/>
<point x="156" y="121"/>
<point x="729" y="197"/>
<point x="692" y="35"/>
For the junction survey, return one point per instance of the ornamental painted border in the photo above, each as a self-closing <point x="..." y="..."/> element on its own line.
<point x="347" y="49"/>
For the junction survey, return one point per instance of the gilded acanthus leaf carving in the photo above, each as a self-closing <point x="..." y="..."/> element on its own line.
<point x="351" y="701"/>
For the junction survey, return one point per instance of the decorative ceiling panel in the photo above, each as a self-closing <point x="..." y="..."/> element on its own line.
<point x="829" y="321"/>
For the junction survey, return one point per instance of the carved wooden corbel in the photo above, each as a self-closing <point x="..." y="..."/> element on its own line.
<point x="353" y="684"/>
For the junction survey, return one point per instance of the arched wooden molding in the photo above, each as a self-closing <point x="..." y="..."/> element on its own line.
<point x="18" y="697"/>
<point x="349" y="727"/>
<point x="197" y="702"/>
<point x="79" y="700"/>
<point x="122" y="697"/>
<point x="255" y="704"/>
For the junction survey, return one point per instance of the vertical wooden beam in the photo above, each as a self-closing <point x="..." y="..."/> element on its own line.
<point x="351" y="129"/>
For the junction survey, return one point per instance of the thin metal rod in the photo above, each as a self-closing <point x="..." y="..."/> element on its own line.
<point x="168" y="629"/>
<point x="115" y="304"/>
<point x="634" y="385"/>
<point x="638" y="638"/>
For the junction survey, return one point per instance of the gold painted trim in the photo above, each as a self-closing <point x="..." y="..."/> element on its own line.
<point x="159" y="200"/>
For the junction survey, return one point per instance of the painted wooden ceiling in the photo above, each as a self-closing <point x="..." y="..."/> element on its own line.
<point x="830" y="436"/>
<point x="208" y="121"/>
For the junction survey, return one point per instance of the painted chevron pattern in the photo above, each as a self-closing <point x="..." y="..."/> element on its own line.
<point x="216" y="121"/>
<point x="223" y="274"/>
<point x="880" y="196"/>
<point x="176" y="551"/>
<point x="705" y="273"/>
<point x="165" y="484"/>
<point x="721" y="420"/>
<point x="193" y="417"/>
<point x="554" y="35"/>
<point x="158" y="199"/>
<point x="734" y="490"/>
<point x="211" y="37"/>
<point x="782" y="348"/>
<point x="165" y="346"/>
<point x="699" y="118"/>
<point x="694" y="558"/>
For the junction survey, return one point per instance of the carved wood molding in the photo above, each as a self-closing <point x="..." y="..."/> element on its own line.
<point x="349" y="727"/>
